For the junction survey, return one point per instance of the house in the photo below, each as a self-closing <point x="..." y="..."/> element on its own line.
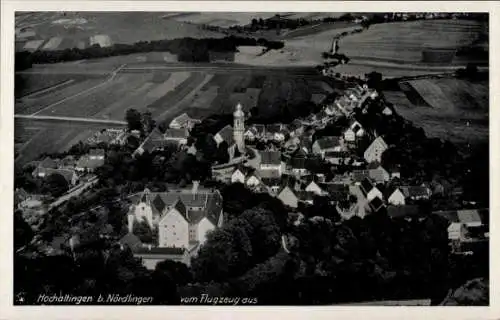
<point x="354" y="131"/>
<point x="183" y="217"/>
<point x="239" y="175"/>
<point x="313" y="187"/>
<point x="176" y="136"/>
<point x="369" y="190"/>
<point x="288" y="197"/>
<point x="466" y="225"/>
<point x="337" y="157"/>
<point x="88" y="163"/>
<point x="326" y="144"/>
<point x="305" y="197"/>
<point x="49" y="163"/>
<point x="297" y="165"/>
<point x="395" y="196"/>
<point x="276" y="132"/>
<point x="253" y="179"/>
<point x="69" y="175"/>
<point x="374" y="152"/>
<point x="183" y="121"/>
<point x="270" y="160"/>
<point x="224" y="134"/>
<point x="273" y="184"/>
<point x="96" y="154"/>
<point x="402" y="211"/>
<point x="68" y="162"/>
<point x="377" y="173"/>
<point x="292" y="145"/>
<point x="387" y="111"/>
<point x="151" y="256"/>
<point x="337" y="192"/>
<point x="360" y="175"/>
<point x="296" y="128"/>
<point x="416" y="192"/>
<point x="155" y="141"/>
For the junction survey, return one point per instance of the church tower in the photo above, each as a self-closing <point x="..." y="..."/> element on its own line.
<point x="239" y="128"/>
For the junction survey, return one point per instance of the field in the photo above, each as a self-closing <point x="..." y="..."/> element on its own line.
<point x="81" y="29"/>
<point x="219" y="19"/>
<point x="33" y="138"/>
<point x="394" y="49"/>
<point x="448" y="108"/>
<point x="403" y="42"/>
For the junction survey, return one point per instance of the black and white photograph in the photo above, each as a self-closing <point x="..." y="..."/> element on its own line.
<point x="236" y="158"/>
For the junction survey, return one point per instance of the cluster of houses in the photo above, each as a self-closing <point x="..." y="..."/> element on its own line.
<point x="70" y="167"/>
<point x="112" y="136"/>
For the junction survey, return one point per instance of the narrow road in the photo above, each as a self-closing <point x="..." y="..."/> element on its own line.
<point x="74" y="192"/>
<point x="74" y="119"/>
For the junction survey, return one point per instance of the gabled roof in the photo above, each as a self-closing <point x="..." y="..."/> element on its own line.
<point x="271" y="182"/>
<point x="176" y="133"/>
<point x="328" y="142"/>
<point x="86" y="162"/>
<point x="209" y="203"/>
<point x="360" y="175"/>
<point x="226" y="133"/>
<point x="182" y="119"/>
<point x="402" y="211"/>
<point x="305" y="195"/>
<point x="376" y="204"/>
<point x="48" y="163"/>
<point x="366" y="185"/>
<point x="337" y="192"/>
<point x="389" y="191"/>
<point x="415" y="191"/>
<point x="469" y="216"/>
<point x="377" y="175"/>
<point x="270" y="157"/>
<point x="379" y="141"/>
<point x="96" y="152"/>
<point x="131" y="240"/>
<point x="337" y="154"/>
<point x="273" y="174"/>
<point x="297" y="162"/>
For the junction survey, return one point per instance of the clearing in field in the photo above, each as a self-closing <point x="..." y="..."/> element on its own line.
<point x="103" y="40"/>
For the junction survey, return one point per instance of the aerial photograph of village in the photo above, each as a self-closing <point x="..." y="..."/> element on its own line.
<point x="251" y="158"/>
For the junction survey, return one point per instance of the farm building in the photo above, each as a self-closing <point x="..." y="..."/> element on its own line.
<point x="183" y="121"/>
<point x="374" y="152"/>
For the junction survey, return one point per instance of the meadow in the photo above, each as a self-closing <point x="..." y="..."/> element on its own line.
<point x="404" y="41"/>
<point x="448" y="108"/>
<point x="60" y="30"/>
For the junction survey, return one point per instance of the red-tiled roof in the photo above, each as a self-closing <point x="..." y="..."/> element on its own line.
<point x="270" y="157"/>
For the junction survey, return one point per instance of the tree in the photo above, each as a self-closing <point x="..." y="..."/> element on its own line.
<point x="143" y="231"/>
<point x="22" y="231"/>
<point x="148" y="123"/>
<point x="55" y="184"/>
<point x="226" y="253"/>
<point x="222" y="152"/>
<point x="134" y="120"/>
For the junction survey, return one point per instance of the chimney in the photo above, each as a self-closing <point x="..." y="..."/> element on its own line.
<point x="194" y="191"/>
<point x="130" y="218"/>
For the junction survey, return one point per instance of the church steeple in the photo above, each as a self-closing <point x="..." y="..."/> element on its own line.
<point x="239" y="128"/>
